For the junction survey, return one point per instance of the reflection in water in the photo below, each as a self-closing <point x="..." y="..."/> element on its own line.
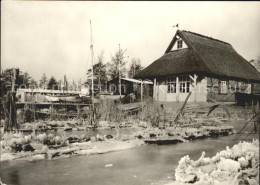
<point x="14" y="177"/>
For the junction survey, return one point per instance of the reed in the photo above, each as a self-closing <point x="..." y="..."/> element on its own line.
<point x="107" y="110"/>
<point x="152" y="113"/>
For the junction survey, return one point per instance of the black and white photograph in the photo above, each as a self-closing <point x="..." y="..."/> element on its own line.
<point x="129" y="92"/>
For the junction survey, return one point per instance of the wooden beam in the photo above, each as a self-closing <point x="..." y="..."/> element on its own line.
<point x="154" y="89"/>
<point x="194" y="85"/>
<point x="171" y="43"/>
<point x="207" y="106"/>
<point x="182" y="107"/>
<point x="177" y="88"/>
<point x="142" y="90"/>
<point x="157" y="91"/>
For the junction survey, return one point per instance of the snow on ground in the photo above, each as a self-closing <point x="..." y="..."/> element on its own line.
<point x="233" y="166"/>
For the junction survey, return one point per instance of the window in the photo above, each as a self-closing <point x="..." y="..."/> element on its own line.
<point x="179" y="44"/>
<point x="188" y="87"/>
<point x="171" y="84"/>
<point x="223" y="87"/>
<point x="244" y="87"/>
<point x="182" y="87"/>
<point x="239" y="86"/>
<point x="184" y="84"/>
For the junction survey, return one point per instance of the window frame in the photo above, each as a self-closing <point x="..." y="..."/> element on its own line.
<point x="221" y="90"/>
<point x="179" y="44"/>
<point x="243" y="87"/>
<point x="171" y="84"/>
<point x="184" y="83"/>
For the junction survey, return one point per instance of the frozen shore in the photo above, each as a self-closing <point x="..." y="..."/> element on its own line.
<point x="233" y="166"/>
<point x="49" y="146"/>
<point x="172" y="135"/>
<point x="32" y="149"/>
<point x="87" y="148"/>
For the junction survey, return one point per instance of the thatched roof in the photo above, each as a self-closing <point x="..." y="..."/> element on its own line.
<point x="204" y="55"/>
<point x="256" y="64"/>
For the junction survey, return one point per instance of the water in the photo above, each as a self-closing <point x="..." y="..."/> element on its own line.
<point x="144" y="165"/>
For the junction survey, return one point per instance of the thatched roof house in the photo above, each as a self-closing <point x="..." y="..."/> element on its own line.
<point x="203" y="55"/>
<point x="192" y="54"/>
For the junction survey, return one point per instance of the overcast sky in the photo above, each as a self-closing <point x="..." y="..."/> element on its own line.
<point x="54" y="37"/>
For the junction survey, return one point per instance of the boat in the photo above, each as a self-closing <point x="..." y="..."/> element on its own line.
<point x="62" y="98"/>
<point x="68" y="98"/>
<point x="52" y="98"/>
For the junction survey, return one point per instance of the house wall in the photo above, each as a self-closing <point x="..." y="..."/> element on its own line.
<point x="207" y="88"/>
<point x="147" y="90"/>
<point x="232" y="86"/>
<point x="199" y="94"/>
<point x="247" y="93"/>
<point x="256" y="88"/>
<point x="244" y="99"/>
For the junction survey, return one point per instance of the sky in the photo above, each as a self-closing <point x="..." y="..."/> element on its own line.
<point x="54" y="37"/>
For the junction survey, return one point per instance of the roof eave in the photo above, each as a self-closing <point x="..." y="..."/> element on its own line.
<point x="201" y="73"/>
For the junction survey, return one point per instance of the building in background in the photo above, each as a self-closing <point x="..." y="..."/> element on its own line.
<point x="208" y="67"/>
<point x="129" y="85"/>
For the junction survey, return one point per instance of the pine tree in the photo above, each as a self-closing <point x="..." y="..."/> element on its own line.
<point x="135" y="67"/>
<point x="53" y="84"/>
<point x="43" y="82"/>
<point x="100" y="72"/>
<point x="33" y="84"/>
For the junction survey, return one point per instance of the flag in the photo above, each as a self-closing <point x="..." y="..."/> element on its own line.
<point x="177" y="25"/>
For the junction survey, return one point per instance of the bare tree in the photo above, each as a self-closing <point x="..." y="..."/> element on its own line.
<point x="117" y="66"/>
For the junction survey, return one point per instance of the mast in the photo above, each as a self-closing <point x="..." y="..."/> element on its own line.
<point x="92" y="68"/>
<point x="119" y="74"/>
<point x="65" y="84"/>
